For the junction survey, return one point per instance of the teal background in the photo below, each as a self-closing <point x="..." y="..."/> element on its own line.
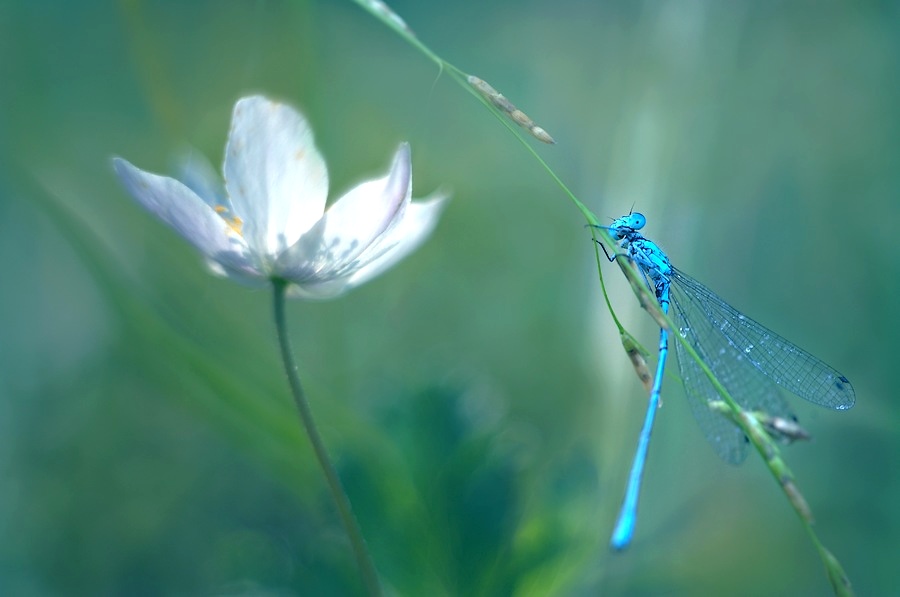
<point x="476" y="398"/>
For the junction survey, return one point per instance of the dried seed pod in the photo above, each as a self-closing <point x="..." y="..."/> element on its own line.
<point x="499" y="101"/>
<point x="782" y="429"/>
<point x="379" y="7"/>
<point x="638" y="361"/>
<point x="520" y="118"/>
<point x="541" y="135"/>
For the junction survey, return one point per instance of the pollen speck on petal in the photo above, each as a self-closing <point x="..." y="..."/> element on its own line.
<point x="235" y="224"/>
<point x="300" y="155"/>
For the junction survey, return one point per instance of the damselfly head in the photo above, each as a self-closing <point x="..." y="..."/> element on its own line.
<point x="621" y="226"/>
<point x="635" y="220"/>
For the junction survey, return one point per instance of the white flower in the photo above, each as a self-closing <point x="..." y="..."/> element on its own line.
<point x="269" y="220"/>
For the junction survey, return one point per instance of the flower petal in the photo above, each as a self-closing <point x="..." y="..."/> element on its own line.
<point x="179" y="207"/>
<point x="251" y="279"/>
<point x="405" y="236"/>
<point x="275" y="176"/>
<point x="330" y="249"/>
<point x="318" y="292"/>
<point x="197" y="174"/>
<point x="419" y="220"/>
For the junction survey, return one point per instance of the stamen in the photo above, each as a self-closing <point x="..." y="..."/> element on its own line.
<point x="235" y="224"/>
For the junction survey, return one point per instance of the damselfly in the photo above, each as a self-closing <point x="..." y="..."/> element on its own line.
<point x="747" y="359"/>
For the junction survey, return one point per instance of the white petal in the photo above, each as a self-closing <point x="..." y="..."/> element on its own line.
<point x="403" y="238"/>
<point x="318" y="292"/>
<point x="252" y="279"/>
<point x="197" y="174"/>
<point x="275" y="177"/>
<point x="179" y="207"/>
<point x="331" y="248"/>
<point x="419" y="220"/>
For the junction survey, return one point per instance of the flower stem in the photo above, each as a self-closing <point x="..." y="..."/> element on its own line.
<point x="363" y="558"/>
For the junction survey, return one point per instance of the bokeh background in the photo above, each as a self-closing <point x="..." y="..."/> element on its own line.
<point x="476" y="399"/>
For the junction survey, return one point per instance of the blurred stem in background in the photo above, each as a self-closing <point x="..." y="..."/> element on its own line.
<point x="341" y="501"/>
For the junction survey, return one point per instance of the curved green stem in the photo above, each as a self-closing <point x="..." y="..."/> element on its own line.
<point x="363" y="558"/>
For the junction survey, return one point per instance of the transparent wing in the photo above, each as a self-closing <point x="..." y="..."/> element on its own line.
<point x="784" y="363"/>
<point x="729" y="441"/>
<point x="732" y="368"/>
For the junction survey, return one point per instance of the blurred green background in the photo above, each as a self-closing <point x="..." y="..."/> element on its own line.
<point x="475" y="399"/>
